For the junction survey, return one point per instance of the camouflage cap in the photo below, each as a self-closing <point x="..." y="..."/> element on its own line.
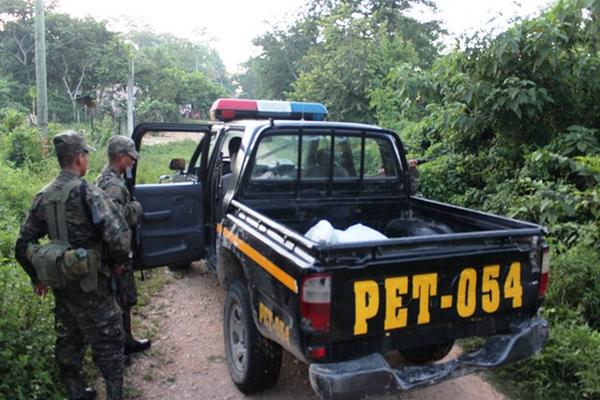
<point x="70" y="142"/>
<point x="122" y="145"/>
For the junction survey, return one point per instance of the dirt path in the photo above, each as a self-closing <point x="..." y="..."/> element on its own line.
<point x="187" y="357"/>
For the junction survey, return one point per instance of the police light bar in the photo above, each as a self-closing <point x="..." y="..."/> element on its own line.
<point x="230" y="109"/>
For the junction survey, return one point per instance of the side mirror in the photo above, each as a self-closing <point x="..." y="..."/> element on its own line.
<point x="177" y="164"/>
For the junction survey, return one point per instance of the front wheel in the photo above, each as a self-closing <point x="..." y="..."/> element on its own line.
<point x="425" y="354"/>
<point x="253" y="361"/>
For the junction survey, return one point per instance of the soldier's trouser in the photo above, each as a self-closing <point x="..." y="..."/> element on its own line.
<point x="95" y="319"/>
<point x="127" y="298"/>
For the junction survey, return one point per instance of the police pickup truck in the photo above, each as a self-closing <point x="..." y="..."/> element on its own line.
<point x="436" y="273"/>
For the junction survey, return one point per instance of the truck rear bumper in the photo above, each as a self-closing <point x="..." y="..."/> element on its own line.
<point x="372" y="375"/>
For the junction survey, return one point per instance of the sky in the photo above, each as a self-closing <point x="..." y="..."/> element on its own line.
<point x="230" y="25"/>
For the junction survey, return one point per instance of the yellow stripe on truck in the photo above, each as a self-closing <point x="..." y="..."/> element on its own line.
<point x="258" y="258"/>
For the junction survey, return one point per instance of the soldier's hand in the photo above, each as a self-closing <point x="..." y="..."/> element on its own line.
<point x="119" y="269"/>
<point x="412" y="164"/>
<point x="40" y="289"/>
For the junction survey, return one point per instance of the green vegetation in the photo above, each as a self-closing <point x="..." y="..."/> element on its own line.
<point x="510" y="122"/>
<point x="88" y="67"/>
<point x="27" y="336"/>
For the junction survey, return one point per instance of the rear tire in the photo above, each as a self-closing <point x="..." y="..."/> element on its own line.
<point x="253" y="361"/>
<point x="425" y="354"/>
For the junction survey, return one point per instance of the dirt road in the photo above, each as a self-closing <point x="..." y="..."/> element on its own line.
<point x="187" y="357"/>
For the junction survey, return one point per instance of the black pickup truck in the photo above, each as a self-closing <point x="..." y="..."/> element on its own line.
<point x="441" y="273"/>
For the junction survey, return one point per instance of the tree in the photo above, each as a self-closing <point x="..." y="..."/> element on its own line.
<point x="359" y="43"/>
<point x="173" y="72"/>
<point x="83" y="56"/>
<point x="270" y="75"/>
<point x="17" y="45"/>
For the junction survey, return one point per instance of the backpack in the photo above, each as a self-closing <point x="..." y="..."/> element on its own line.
<point x="56" y="262"/>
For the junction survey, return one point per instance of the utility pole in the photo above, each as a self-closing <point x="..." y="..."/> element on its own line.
<point x="130" y="83"/>
<point x="40" y="69"/>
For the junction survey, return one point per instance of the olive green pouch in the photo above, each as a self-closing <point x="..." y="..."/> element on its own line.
<point x="75" y="264"/>
<point x="47" y="260"/>
<point x="89" y="282"/>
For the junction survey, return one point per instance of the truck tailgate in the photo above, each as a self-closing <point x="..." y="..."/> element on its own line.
<point x="413" y="301"/>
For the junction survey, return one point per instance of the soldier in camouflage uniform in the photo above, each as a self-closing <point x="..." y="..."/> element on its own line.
<point x="82" y="317"/>
<point x="121" y="157"/>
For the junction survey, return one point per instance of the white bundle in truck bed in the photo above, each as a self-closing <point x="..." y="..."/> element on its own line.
<point x="324" y="232"/>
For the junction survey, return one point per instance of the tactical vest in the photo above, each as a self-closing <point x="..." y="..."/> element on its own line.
<point x="56" y="262"/>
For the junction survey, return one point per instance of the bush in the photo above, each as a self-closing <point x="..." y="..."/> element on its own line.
<point x="567" y="368"/>
<point x="27" y="366"/>
<point x="11" y="119"/>
<point x="443" y="179"/>
<point x="575" y="282"/>
<point x="23" y="145"/>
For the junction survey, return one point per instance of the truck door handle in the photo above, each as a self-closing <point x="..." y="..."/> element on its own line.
<point x="178" y="199"/>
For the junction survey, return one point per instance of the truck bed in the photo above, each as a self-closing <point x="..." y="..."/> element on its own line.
<point x="395" y="218"/>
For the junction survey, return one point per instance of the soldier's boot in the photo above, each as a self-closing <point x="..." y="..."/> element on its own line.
<point x="76" y="390"/>
<point x="131" y="344"/>
<point x="88" y="394"/>
<point x="114" y="389"/>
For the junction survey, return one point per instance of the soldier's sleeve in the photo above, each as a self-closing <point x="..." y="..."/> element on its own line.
<point x="114" y="192"/>
<point x="131" y="210"/>
<point x="34" y="227"/>
<point x="113" y="228"/>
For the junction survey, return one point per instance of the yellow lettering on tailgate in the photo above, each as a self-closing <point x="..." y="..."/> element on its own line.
<point x="467" y="299"/>
<point x="396" y="316"/>
<point x="512" y="287"/>
<point x="490" y="289"/>
<point x="366" y="304"/>
<point x="424" y="286"/>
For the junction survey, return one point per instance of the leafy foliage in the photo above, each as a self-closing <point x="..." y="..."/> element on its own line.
<point x="88" y="67"/>
<point x="566" y="369"/>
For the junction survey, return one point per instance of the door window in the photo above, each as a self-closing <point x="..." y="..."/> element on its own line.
<point x="158" y="152"/>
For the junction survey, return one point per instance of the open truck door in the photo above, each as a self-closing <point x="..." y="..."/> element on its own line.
<point x="170" y="189"/>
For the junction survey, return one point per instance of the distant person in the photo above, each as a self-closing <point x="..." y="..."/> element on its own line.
<point x="121" y="157"/>
<point x="87" y="236"/>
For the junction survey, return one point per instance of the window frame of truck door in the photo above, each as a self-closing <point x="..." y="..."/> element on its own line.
<point x="162" y="227"/>
<point x="211" y="217"/>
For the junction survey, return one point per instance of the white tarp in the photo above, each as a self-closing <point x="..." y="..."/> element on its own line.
<point x="324" y="232"/>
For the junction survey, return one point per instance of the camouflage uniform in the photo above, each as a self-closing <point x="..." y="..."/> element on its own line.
<point x="111" y="181"/>
<point x="114" y="186"/>
<point x="81" y="318"/>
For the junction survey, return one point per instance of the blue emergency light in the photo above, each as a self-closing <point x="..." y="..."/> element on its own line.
<point x="230" y="109"/>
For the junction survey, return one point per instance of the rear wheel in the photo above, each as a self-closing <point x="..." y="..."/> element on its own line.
<point x="425" y="354"/>
<point x="253" y="360"/>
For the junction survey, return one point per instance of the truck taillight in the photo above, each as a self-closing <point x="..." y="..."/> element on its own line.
<point x="315" y="302"/>
<point x="545" y="269"/>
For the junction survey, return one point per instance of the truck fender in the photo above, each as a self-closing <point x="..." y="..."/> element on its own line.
<point x="229" y="267"/>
